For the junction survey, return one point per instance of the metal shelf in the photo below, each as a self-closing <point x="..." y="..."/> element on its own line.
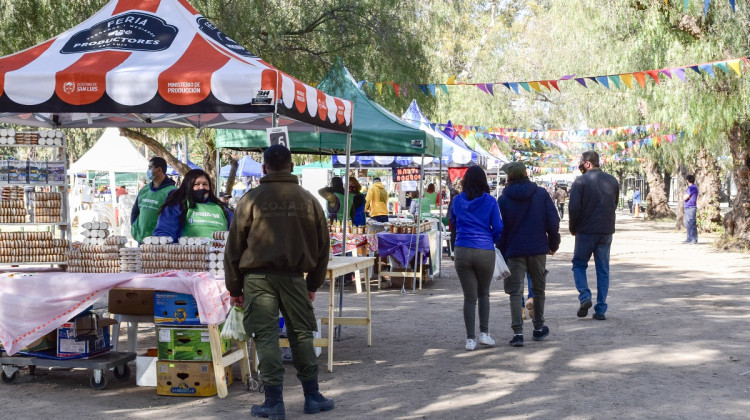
<point x="37" y="263"/>
<point x="36" y="224"/>
<point x="26" y="184"/>
<point x="30" y="145"/>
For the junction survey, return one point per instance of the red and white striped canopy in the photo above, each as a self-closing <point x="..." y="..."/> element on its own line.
<point x="156" y="63"/>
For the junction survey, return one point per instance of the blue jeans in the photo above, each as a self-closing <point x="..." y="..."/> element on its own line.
<point x="598" y="245"/>
<point x="692" y="229"/>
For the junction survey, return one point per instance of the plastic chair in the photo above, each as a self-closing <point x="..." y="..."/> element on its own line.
<point x="133" y="321"/>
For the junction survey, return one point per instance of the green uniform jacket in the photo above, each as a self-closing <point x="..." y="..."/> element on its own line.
<point x="278" y="227"/>
<point x="145" y="212"/>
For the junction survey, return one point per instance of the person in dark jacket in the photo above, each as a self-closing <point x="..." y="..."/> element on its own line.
<point x="278" y="234"/>
<point x="531" y="232"/>
<point x="591" y="208"/>
<point x="478" y="225"/>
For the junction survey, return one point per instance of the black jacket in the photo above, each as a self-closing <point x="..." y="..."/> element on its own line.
<point x="593" y="201"/>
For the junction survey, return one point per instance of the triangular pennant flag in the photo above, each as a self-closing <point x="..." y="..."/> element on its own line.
<point x="545" y="83"/>
<point x="360" y="84"/>
<point x="396" y="89"/>
<point x="615" y="78"/>
<point x="732" y="3"/>
<point x="491" y="89"/>
<point x="370" y="86"/>
<point x="482" y="87"/>
<point x="680" y="73"/>
<point x="628" y="79"/>
<point x="403" y="88"/>
<point x="535" y="86"/>
<point x="593" y="79"/>
<point x="380" y="89"/>
<point x="654" y="75"/>
<point x="684" y="6"/>
<point x="514" y="86"/>
<point x="706" y="3"/>
<point x="722" y="65"/>
<point x="603" y="80"/>
<point x="666" y="72"/>
<point x="640" y="77"/>
<point x="433" y="126"/>
<point x="697" y="70"/>
<point x="735" y="65"/>
<point x="708" y="68"/>
<point x="431" y="87"/>
<point x="424" y="89"/>
<point x="451" y="80"/>
<point x="582" y="81"/>
<point x="506" y="84"/>
<point x="554" y="84"/>
<point x="525" y="86"/>
<point x="445" y="89"/>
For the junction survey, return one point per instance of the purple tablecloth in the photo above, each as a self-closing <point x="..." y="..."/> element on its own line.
<point x="402" y="246"/>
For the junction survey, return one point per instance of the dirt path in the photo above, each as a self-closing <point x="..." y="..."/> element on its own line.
<point x="674" y="345"/>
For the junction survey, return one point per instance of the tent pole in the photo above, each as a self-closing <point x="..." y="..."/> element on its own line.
<point x="217" y="170"/>
<point x="417" y="232"/>
<point x="344" y="225"/>
<point x="440" y="219"/>
<point x="112" y="197"/>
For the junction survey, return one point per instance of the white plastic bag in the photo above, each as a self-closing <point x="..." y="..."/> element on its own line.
<point x="501" y="269"/>
<point x="233" y="328"/>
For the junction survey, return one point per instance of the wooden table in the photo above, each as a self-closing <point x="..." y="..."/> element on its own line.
<point x="339" y="266"/>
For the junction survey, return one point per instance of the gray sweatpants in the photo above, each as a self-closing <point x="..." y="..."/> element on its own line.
<point x="475" y="268"/>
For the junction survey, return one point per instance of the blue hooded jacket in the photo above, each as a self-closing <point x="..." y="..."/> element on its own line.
<point x="532" y="224"/>
<point x="478" y="223"/>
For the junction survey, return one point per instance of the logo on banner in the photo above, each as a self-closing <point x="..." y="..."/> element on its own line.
<point x="209" y="29"/>
<point x="263" y="97"/>
<point x="131" y="31"/>
<point x="406" y="174"/>
<point x="70" y="87"/>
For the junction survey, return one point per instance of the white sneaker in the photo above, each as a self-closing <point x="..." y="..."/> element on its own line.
<point x="470" y="344"/>
<point x="485" y="339"/>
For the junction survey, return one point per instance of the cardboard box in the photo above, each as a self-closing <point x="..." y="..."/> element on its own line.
<point x="70" y="341"/>
<point x="175" y="309"/>
<point x="145" y="371"/>
<point x="186" y="344"/>
<point x="188" y="379"/>
<point x="131" y="301"/>
<point x="47" y="342"/>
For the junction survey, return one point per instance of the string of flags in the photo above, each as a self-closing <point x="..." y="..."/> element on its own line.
<point x="627" y="80"/>
<point x="706" y="4"/>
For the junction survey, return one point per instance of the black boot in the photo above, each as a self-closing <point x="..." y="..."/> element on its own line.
<point x="315" y="402"/>
<point x="273" y="406"/>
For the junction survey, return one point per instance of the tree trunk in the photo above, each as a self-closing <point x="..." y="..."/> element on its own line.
<point x="157" y="148"/>
<point x="667" y="183"/>
<point x="709" y="190"/>
<point x="658" y="206"/>
<point x="209" y="159"/>
<point x="737" y="221"/>
<point x="232" y="176"/>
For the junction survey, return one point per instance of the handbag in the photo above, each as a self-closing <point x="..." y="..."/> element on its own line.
<point x="501" y="269"/>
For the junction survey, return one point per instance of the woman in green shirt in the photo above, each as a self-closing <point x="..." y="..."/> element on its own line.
<point x="193" y="209"/>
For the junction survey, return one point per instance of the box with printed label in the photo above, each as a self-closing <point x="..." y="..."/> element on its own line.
<point x="175" y="309"/>
<point x="84" y="337"/>
<point x="187" y="344"/>
<point x="188" y="379"/>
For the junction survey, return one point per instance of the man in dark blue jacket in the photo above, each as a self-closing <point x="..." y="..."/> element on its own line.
<point x="531" y="233"/>
<point x="593" y="201"/>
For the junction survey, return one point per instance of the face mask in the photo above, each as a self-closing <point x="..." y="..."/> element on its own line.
<point x="199" y="196"/>
<point x="149" y="175"/>
<point x="582" y="168"/>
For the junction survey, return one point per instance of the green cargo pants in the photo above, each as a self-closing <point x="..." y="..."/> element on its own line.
<point x="265" y="295"/>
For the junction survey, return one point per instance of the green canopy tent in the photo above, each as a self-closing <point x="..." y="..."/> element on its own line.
<point x="376" y="131"/>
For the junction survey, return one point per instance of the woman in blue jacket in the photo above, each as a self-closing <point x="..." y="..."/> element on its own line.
<point x="193" y="209"/>
<point x="476" y="216"/>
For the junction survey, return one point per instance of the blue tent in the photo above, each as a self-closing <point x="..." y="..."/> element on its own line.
<point x="171" y="171"/>
<point x="245" y="167"/>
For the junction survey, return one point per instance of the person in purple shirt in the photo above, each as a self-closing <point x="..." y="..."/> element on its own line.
<point x="690" y="198"/>
<point x="476" y="216"/>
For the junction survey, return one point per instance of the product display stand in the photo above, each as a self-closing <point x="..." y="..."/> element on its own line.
<point x="36" y="174"/>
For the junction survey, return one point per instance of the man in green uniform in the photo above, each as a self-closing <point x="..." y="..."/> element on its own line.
<point x="279" y="232"/>
<point x="145" y="211"/>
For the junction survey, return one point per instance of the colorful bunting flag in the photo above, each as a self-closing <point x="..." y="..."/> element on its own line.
<point x="628" y="79"/>
<point x="616" y="80"/>
<point x="708" y="68"/>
